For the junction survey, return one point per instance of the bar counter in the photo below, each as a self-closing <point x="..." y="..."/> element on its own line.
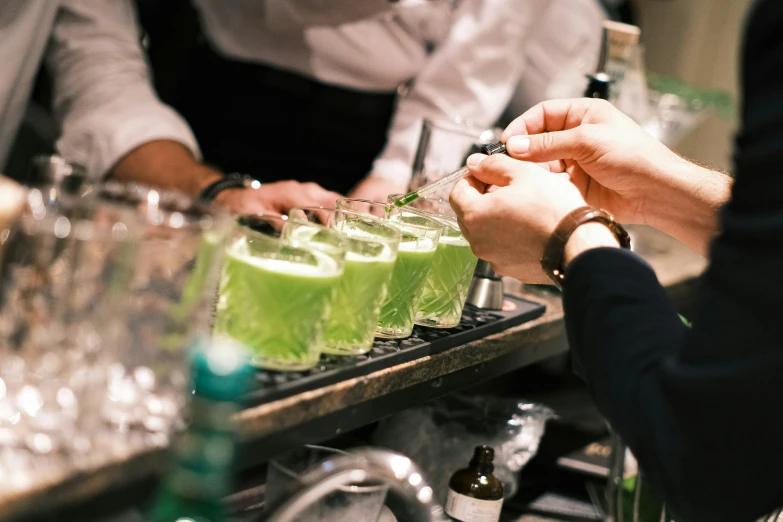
<point x="319" y="414"/>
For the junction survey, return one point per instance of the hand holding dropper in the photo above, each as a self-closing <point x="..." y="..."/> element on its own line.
<point x="448" y="179"/>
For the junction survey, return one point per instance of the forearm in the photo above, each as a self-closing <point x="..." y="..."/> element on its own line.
<point x="165" y="164"/>
<point x="685" y="205"/>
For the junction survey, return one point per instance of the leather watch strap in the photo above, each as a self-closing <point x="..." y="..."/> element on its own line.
<point x="553" y="259"/>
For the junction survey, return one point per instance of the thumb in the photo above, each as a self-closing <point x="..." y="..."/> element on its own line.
<point x="572" y="144"/>
<point x="498" y="169"/>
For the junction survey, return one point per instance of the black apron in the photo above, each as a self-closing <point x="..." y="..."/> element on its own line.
<point x="277" y="125"/>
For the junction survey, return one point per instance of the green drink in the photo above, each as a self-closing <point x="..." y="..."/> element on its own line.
<point x="275" y="296"/>
<point x="420" y="235"/>
<point x="351" y="328"/>
<point x="446" y="288"/>
<point x="371" y="249"/>
<point x="410" y="272"/>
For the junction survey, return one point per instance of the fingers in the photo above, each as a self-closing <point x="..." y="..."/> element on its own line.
<point x="466" y="195"/>
<point x="498" y="169"/>
<point x="574" y="144"/>
<point x="558" y="115"/>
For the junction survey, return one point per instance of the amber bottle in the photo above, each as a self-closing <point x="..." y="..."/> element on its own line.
<point x="475" y="494"/>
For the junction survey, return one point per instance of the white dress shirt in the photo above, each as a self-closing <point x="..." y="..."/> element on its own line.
<point x="469" y="77"/>
<point x="21" y="46"/>
<point x="102" y="93"/>
<point x="104" y="99"/>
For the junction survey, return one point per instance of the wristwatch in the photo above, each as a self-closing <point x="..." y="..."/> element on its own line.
<point x="229" y="181"/>
<point x="553" y="260"/>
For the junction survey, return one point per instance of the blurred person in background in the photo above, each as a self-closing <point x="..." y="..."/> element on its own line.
<point x="107" y="107"/>
<point x="699" y="407"/>
<point x="337" y="91"/>
<point x="568" y="34"/>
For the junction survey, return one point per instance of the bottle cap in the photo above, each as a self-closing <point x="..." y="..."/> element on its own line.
<point x="483" y="457"/>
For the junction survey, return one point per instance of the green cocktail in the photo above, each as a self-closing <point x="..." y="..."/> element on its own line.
<point x="410" y="272"/>
<point x="371" y="249"/>
<point x="274" y="299"/>
<point x="420" y="235"/>
<point x="446" y="288"/>
<point x="351" y="328"/>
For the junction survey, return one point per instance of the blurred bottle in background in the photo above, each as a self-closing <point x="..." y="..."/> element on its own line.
<point x="201" y="472"/>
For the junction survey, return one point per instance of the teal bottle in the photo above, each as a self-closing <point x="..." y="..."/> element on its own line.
<point x="200" y="476"/>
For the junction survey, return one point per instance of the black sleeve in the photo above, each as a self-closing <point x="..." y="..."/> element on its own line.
<point x="702" y="409"/>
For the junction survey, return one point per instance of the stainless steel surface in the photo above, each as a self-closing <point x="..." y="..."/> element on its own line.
<point x="407" y="486"/>
<point x="486" y="289"/>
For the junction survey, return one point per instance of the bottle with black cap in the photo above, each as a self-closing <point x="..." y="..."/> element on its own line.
<point x="600" y="85"/>
<point x="475" y="494"/>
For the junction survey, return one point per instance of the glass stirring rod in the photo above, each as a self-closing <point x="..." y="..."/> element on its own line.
<point x="448" y="179"/>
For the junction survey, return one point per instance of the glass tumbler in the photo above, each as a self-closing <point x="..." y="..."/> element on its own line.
<point x="446" y="287"/>
<point x="277" y="288"/>
<point x="371" y="250"/>
<point x="62" y="279"/>
<point x="167" y="308"/>
<point x="443" y="148"/>
<point x="420" y="237"/>
<point x="357" y="502"/>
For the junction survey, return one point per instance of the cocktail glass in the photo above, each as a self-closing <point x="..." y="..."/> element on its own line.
<point x="420" y="236"/>
<point x="167" y="309"/>
<point x="371" y="250"/>
<point x="279" y="280"/>
<point x="62" y="278"/>
<point x="446" y="287"/>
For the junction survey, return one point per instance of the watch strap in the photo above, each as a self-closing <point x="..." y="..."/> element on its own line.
<point x="229" y="181"/>
<point x="553" y="260"/>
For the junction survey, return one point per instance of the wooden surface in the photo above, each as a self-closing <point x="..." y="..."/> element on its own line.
<point x="677" y="269"/>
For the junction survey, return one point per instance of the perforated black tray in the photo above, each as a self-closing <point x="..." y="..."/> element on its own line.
<point x="475" y="324"/>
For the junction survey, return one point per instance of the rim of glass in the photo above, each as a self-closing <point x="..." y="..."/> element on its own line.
<point x="36" y="217"/>
<point x="445" y="221"/>
<point x="466" y="129"/>
<point x="395" y="235"/>
<point x="386" y="206"/>
<point x="161" y="207"/>
<point x="333" y="451"/>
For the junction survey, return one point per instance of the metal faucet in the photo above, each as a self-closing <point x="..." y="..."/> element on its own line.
<point x="409" y="496"/>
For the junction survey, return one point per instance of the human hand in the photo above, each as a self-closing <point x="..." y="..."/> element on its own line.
<point x="376" y="188"/>
<point x="276" y="198"/>
<point x="615" y="164"/>
<point x="509" y="225"/>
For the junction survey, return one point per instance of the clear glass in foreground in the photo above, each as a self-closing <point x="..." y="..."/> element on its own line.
<point x="371" y="250"/>
<point x="420" y="236"/>
<point x="276" y="292"/>
<point x="446" y="287"/>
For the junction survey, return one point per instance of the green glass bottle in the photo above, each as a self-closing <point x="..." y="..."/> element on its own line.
<point x="475" y="494"/>
<point x="200" y="476"/>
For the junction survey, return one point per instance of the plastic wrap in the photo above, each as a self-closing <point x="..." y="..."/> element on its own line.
<point x="440" y="436"/>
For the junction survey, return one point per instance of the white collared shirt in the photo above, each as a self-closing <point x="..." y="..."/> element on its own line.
<point x="104" y="99"/>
